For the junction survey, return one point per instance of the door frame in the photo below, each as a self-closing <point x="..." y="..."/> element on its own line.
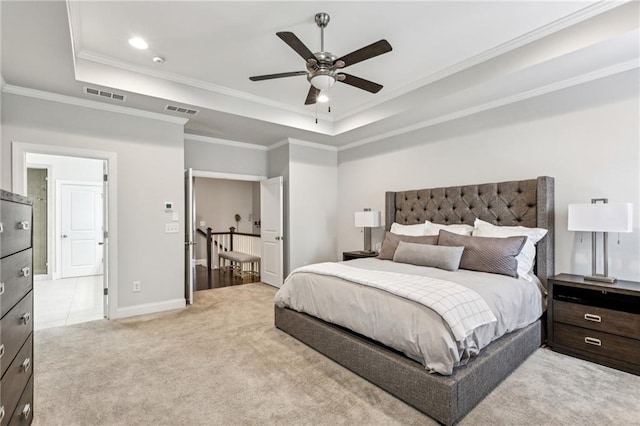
<point x="19" y="152"/>
<point x="50" y="222"/>
<point x="58" y="217"/>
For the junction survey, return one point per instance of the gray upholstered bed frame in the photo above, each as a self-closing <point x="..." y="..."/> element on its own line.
<point x="445" y="398"/>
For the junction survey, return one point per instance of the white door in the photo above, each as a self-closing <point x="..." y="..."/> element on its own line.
<point x="189" y="236"/>
<point x="105" y="238"/>
<point x="271" y="231"/>
<point x="81" y="229"/>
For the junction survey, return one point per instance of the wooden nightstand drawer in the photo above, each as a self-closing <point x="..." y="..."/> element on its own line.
<point x="15" y="380"/>
<point x="16" y="327"/>
<point x="16" y="278"/>
<point x="23" y="413"/>
<point x="604" y="344"/>
<point x="16" y="227"/>
<point x="596" y="318"/>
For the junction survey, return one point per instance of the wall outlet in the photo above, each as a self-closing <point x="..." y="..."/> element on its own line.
<point x="137" y="287"/>
<point x="171" y="228"/>
<point x="203" y="223"/>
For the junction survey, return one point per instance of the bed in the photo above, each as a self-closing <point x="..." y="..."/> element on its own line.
<point x="446" y="398"/>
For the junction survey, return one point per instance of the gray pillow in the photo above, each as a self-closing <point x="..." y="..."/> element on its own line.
<point x="442" y="257"/>
<point x="486" y="254"/>
<point x="391" y="241"/>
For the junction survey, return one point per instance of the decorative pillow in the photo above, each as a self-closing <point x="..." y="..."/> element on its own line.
<point x="486" y="254"/>
<point x="528" y="254"/>
<point x="442" y="257"/>
<point x="434" y="228"/>
<point x="391" y="240"/>
<point x="414" y="230"/>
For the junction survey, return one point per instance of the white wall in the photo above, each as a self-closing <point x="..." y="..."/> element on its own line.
<point x="313" y="183"/>
<point x="150" y="165"/>
<point x="67" y="169"/>
<point x="218" y="201"/>
<point x="586" y="137"/>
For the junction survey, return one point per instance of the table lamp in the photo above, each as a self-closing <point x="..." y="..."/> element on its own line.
<point x="367" y="219"/>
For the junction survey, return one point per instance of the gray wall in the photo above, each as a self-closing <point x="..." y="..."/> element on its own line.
<point x="278" y="165"/>
<point x="587" y="137"/>
<point x="150" y="166"/>
<point x="224" y="158"/>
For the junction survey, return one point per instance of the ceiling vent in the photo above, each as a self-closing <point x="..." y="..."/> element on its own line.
<point x="181" y="110"/>
<point x="104" y="94"/>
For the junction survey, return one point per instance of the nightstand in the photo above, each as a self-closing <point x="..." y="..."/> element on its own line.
<point x="358" y="254"/>
<point x="595" y="321"/>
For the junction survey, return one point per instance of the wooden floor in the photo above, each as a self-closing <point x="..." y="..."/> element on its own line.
<point x="220" y="279"/>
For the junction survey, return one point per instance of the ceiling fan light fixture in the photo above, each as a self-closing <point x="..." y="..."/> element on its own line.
<point x="322" y="81"/>
<point x="138" y="43"/>
<point x="322" y="97"/>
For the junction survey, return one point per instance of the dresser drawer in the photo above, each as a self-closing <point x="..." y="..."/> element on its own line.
<point x="23" y="414"/>
<point x="596" y="342"/>
<point x="15" y="380"/>
<point x="16" y="227"/>
<point x="16" y="279"/>
<point x="594" y="318"/>
<point x="16" y="327"/>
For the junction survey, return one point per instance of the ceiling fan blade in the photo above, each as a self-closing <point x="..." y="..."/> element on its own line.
<point x="367" y="52"/>
<point x="312" y="96"/>
<point x="280" y="75"/>
<point x="294" y="42"/>
<point x="360" y="83"/>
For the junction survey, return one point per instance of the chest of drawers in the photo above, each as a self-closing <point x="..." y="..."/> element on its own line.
<point x="595" y="321"/>
<point x="16" y="310"/>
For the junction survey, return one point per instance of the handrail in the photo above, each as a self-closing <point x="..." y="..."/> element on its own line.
<point x="209" y="235"/>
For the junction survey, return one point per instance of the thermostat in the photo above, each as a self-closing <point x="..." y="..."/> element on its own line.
<point x="168" y="205"/>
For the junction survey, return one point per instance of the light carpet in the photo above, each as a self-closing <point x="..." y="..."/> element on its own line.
<point x="222" y="362"/>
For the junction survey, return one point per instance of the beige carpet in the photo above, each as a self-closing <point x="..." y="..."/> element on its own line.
<point x="222" y="362"/>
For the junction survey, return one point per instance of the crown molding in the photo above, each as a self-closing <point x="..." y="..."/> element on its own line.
<point x="86" y="103"/>
<point x="531" y="36"/>
<point x="543" y="90"/>
<point x="199" y="84"/>
<point x="208" y="139"/>
<point x="278" y="144"/>
<point x="315" y="145"/>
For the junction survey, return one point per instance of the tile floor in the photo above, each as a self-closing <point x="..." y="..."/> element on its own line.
<point x="67" y="301"/>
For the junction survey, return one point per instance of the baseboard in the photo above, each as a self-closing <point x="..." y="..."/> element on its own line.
<point x="149" y="308"/>
<point x="201" y="262"/>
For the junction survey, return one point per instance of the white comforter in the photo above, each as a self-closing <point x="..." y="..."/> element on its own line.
<point x="405" y="325"/>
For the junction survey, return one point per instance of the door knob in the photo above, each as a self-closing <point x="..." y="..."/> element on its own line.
<point x="64" y="235"/>
<point x="100" y="243"/>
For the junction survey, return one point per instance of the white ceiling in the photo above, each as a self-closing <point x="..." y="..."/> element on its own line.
<point x="448" y="57"/>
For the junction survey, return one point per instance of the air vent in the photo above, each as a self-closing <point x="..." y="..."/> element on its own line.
<point x="104" y="94"/>
<point x="181" y="110"/>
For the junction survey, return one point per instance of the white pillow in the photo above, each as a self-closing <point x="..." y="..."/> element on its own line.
<point x="527" y="255"/>
<point x="413" y="230"/>
<point x="434" y="228"/>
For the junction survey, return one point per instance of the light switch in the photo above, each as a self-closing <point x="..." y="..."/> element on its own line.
<point x="171" y="228"/>
<point x="176" y="216"/>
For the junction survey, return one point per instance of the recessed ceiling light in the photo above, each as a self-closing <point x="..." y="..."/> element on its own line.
<point x="138" y="43"/>
<point x="158" y="59"/>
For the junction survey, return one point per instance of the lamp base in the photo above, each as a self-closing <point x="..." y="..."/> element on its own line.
<point x="600" y="278"/>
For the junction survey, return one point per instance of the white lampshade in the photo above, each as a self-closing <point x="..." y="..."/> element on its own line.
<point x="601" y="217"/>
<point x="322" y="81"/>
<point x="367" y="219"/>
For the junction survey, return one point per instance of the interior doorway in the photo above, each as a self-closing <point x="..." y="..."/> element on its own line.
<point x="227" y="210"/>
<point x="68" y="238"/>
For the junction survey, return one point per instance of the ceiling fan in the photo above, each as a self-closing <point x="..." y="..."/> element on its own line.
<point x="324" y="68"/>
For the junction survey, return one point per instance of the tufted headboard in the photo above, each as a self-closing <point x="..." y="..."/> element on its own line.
<point x="527" y="203"/>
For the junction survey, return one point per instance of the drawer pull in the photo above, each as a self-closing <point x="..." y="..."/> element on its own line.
<point x="26" y="365"/>
<point x="26" y="271"/>
<point x="2" y="412"/>
<point x="25" y="225"/>
<point x="26" y="411"/>
<point x="1" y="289"/>
<point x="25" y="317"/>
<point x="1" y="350"/>
<point x="592" y="317"/>
<point x="1" y="231"/>
<point x="592" y="341"/>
